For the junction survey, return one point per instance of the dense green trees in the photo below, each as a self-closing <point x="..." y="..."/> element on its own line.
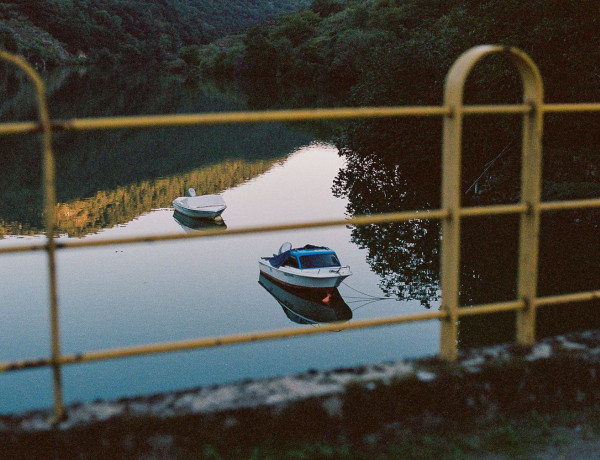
<point x="398" y="51"/>
<point x="131" y="31"/>
<point x="326" y="8"/>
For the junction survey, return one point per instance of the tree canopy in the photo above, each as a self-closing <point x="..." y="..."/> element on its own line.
<point x="127" y="31"/>
<point x="398" y="51"/>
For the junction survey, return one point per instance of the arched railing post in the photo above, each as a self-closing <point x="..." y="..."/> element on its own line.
<point x="531" y="181"/>
<point x="451" y="191"/>
<point x="50" y="219"/>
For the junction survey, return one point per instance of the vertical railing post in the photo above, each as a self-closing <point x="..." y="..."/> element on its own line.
<point x="50" y="220"/>
<point x="450" y="241"/>
<point x="451" y="191"/>
<point x="531" y="178"/>
<point x="450" y="200"/>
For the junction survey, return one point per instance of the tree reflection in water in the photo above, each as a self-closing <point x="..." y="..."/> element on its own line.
<point x="404" y="255"/>
<point x="378" y="179"/>
<point x="106" y="178"/>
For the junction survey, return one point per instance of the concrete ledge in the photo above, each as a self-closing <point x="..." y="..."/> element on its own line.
<point x="562" y="371"/>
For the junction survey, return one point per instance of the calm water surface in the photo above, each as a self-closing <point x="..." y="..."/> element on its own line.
<point x="134" y="294"/>
<point x="121" y="184"/>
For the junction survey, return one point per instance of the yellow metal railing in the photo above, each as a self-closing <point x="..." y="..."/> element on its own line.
<point x="532" y="109"/>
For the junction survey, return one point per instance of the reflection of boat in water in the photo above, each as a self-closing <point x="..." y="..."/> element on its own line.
<point x="309" y="267"/>
<point x="190" y="223"/>
<point x="306" y="306"/>
<point x="200" y="207"/>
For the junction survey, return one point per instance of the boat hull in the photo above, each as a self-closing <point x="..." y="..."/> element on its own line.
<point x="307" y="307"/>
<point x="186" y="207"/>
<point x="191" y="224"/>
<point x="323" y="279"/>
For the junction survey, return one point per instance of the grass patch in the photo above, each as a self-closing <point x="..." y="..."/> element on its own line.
<point x="515" y="437"/>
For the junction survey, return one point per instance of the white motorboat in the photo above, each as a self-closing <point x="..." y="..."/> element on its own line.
<point x="309" y="267"/>
<point x="200" y="207"/>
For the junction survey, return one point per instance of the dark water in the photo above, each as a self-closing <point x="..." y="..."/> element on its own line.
<point x="122" y="183"/>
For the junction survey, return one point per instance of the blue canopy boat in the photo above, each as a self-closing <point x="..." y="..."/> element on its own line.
<point x="308" y="267"/>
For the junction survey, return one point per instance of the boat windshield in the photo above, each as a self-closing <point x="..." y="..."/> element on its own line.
<point x="291" y="261"/>
<point x="319" y="261"/>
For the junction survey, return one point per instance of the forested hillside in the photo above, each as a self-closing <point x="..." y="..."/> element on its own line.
<point x="50" y="32"/>
<point x="399" y="50"/>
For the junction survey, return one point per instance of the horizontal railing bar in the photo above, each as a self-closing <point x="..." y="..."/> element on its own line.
<point x="491" y="308"/>
<point x="24" y="248"/>
<point x="211" y="342"/>
<point x="570" y="204"/>
<point x="566" y="298"/>
<point x="149" y="121"/>
<point x="517" y="208"/>
<point x="356" y="221"/>
<point x="572" y="107"/>
<point x="495" y="109"/>
<point x="250" y="117"/>
<point x="20" y="127"/>
<point x="153" y="121"/>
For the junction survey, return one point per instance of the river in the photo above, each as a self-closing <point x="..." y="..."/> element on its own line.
<point x="121" y="183"/>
